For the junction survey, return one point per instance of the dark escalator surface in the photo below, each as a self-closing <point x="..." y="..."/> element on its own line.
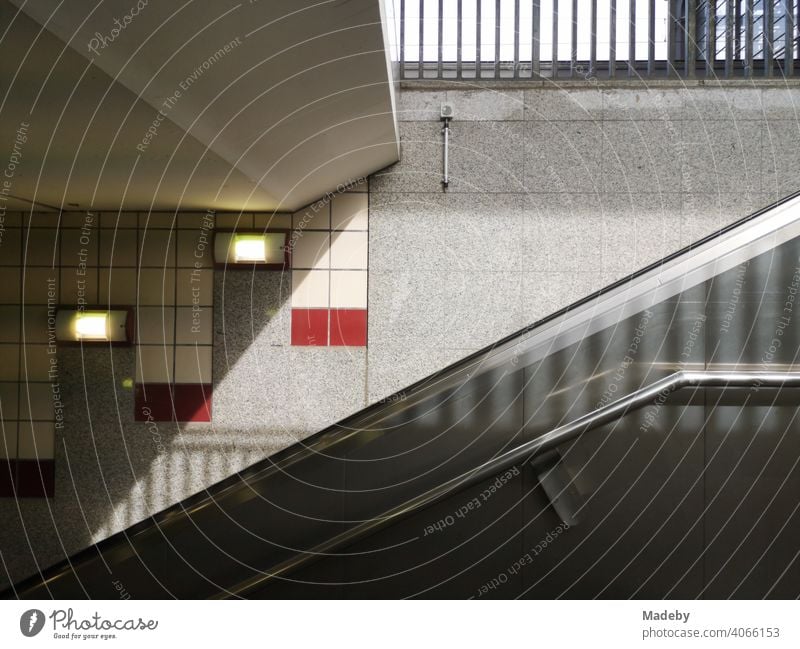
<point x="657" y="501"/>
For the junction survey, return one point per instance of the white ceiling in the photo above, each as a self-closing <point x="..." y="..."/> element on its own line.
<point x="302" y="101"/>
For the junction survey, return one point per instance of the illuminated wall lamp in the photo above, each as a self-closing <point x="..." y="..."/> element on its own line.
<point x="94" y="325"/>
<point x="268" y="250"/>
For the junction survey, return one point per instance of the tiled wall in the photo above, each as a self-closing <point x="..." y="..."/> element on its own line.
<point x="174" y="318"/>
<point x="330" y="248"/>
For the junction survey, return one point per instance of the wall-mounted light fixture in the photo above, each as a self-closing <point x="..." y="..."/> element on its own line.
<point x="94" y="325"/>
<point x="268" y="250"/>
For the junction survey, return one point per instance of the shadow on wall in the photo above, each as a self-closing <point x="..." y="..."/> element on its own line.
<point x="112" y="471"/>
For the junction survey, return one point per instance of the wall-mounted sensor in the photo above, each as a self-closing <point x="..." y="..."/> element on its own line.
<point x="446" y="113"/>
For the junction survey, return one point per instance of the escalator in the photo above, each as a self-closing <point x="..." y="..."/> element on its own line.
<point x="640" y="443"/>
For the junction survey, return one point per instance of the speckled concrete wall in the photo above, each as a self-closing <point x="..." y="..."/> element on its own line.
<point x="554" y="192"/>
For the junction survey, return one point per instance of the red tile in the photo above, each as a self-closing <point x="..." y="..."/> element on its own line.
<point x="36" y="478"/>
<point x="7" y="468"/>
<point x="193" y="401"/>
<point x="153" y="402"/>
<point x="310" y="327"/>
<point x="349" y="327"/>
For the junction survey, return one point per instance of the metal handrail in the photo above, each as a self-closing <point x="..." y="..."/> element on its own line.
<point x="524" y="453"/>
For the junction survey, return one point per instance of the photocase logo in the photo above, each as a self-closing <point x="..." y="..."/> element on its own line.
<point x="31" y="622"/>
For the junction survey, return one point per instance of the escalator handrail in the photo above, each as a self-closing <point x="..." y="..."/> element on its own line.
<point x="182" y="512"/>
<point x="521" y="454"/>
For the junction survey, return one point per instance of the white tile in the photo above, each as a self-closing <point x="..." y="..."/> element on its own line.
<point x="36" y="402"/>
<point x="79" y="247"/>
<point x="310" y="289"/>
<point x="10" y="286"/>
<point x="8" y="400"/>
<point x="34" y="324"/>
<point x="235" y="221"/>
<point x="150" y="220"/>
<point x="36" y="440"/>
<point x="9" y="324"/>
<point x="9" y="362"/>
<point x="195" y="287"/>
<point x="350" y="212"/>
<point x="119" y="220"/>
<point x="194" y="325"/>
<point x="156" y="286"/>
<point x="315" y="217"/>
<point x="192" y="364"/>
<point x="155" y="325"/>
<point x="8" y="440"/>
<point x="270" y="221"/>
<point x="35" y="362"/>
<point x="40" y="282"/>
<point x="153" y="364"/>
<point x="117" y="287"/>
<point x="11" y="248"/>
<point x="196" y="248"/>
<point x="311" y="250"/>
<point x="349" y="289"/>
<point x="78" y="287"/>
<point x="157" y="248"/>
<point x="349" y="250"/>
<point x="118" y="248"/>
<point x="41" y="247"/>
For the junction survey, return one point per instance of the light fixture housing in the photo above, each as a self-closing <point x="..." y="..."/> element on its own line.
<point x="94" y="325"/>
<point x="265" y="250"/>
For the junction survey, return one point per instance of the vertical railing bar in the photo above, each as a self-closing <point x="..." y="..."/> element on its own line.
<point x="535" y="41"/>
<point x="788" y="48"/>
<point x="440" y="65"/>
<point x="593" y="39"/>
<point x="690" y="39"/>
<point x="748" y="39"/>
<point x="421" y="73"/>
<point x="711" y="37"/>
<point x="554" y="73"/>
<point x="478" y="6"/>
<point x="612" y="41"/>
<point x="769" y="32"/>
<point x="796" y="36"/>
<point x="737" y="36"/>
<point x="631" y="38"/>
<point x="651" y="38"/>
<point x="671" y="49"/>
<point x="459" y="40"/>
<point x="516" y="39"/>
<point x="729" y="25"/>
<point x="402" y="39"/>
<point x="573" y="59"/>
<point x="497" y="39"/>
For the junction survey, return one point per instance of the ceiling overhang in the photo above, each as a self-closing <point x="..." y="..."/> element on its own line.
<point x="133" y="104"/>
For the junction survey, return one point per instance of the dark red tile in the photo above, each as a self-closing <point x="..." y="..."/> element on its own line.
<point x="36" y="478"/>
<point x="349" y="327"/>
<point x="310" y="327"/>
<point x="153" y="402"/>
<point x="7" y="468"/>
<point x="193" y="401"/>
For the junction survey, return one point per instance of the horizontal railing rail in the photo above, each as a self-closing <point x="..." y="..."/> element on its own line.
<point x="573" y="39"/>
<point x="521" y="454"/>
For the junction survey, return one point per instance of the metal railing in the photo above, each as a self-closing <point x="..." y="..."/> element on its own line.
<point x="521" y="454"/>
<point x="605" y="39"/>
